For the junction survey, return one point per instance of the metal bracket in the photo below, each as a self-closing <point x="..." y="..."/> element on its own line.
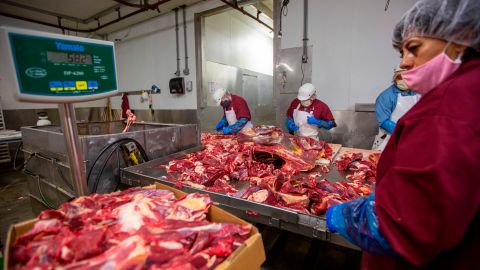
<point x="274" y="222"/>
<point x="319" y="229"/>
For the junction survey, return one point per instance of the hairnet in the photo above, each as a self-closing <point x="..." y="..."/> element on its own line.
<point x="457" y="21"/>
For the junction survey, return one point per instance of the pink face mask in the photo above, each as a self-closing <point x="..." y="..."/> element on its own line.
<point x="427" y="76"/>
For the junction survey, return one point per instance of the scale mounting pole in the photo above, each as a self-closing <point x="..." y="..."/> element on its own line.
<point x="75" y="156"/>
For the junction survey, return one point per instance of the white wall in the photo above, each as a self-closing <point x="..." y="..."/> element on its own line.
<point x="9" y="102"/>
<point x="147" y="55"/>
<point x="353" y="58"/>
<point x="233" y="39"/>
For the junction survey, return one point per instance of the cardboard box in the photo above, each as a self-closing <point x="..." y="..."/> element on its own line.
<point x="250" y="255"/>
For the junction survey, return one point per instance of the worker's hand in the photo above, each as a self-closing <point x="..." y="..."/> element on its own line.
<point x="321" y="123"/>
<point x="291" y="125"/>
<point x="314" y="121"/>
<point x="221" y="124"/>
<point x="357" y="221"/>
<point x="227" y="130"/>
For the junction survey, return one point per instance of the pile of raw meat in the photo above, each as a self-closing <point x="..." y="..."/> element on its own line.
<point x="262" y="134"/>
<point x="364" y="170"/>
<point x="280" y="175"/>
<point x="133" y="229"/>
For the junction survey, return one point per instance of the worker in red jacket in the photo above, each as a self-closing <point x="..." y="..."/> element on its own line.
<point x="236" y="114"/>
<point x="307" y="114"/>
<point x="425" y="213"/>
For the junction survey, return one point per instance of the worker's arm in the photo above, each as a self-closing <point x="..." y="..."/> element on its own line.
<point x="384" y="106"/>
<point x="322" y="116"/>
<point x="427" y="199"/>
<point x="357" y="221"/>
<point x="235" y="128"/>
<point x="293" y="105"/>
<point x="326" y="124"/>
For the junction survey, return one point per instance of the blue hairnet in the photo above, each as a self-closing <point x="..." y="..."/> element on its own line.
<point x="457" y="21"/>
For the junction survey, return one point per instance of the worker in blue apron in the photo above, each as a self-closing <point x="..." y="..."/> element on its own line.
<point x="390" y="106"/>
<point x="307" y="114"/>
<point x="236" y="114"/>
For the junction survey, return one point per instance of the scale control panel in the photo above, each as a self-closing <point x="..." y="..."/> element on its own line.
<point x="56" y="68"/>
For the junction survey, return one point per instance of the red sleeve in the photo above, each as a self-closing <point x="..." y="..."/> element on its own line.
<point x="240" y="107"/>
<point x="428" y="193"/>
<point x="292" y="107"/>
<point x="322" y="111"/>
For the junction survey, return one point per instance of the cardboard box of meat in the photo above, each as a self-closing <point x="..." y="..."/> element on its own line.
<point x="211" y="239"/>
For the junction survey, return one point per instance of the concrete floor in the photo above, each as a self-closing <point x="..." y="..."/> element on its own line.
<point x="14" y="201"/>
<point x="284" y="250"/>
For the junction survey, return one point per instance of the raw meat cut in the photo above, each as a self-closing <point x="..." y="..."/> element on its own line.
<point x="346" y="160"/>
<point x="364" y="169"/>
<point x="262" y="134"/>
<point x="311" y="148"/>
<point x="133" y="229"/>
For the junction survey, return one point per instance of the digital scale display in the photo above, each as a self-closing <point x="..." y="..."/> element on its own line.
<point x="55" y="68"/>
<point x="69" y="58"/>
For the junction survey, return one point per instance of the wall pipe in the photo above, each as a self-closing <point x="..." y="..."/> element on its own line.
<point x="305" y="31"/>
<point x="186" y="71"/>
<point x="177" y="73"/>
<point x="236" y="7"/>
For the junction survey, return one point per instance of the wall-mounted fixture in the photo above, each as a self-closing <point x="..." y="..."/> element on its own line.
<point x="155" y="89"/>
<point x="177" y="85"/>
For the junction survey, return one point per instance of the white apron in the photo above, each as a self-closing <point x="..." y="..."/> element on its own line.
<point x="232" y="119"/>
<point x="305" y="129"/>
<point x="404" y="104"/>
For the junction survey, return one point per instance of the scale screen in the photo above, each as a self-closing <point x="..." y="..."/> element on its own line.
<point x="55" y="68"/>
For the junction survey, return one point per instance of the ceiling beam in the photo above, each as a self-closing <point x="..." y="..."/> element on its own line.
<point x="236" y="7"/>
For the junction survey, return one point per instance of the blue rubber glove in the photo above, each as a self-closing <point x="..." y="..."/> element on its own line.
<point x="388" y="125"/>
<point x="321" y="123"/>
<point x="227" y="130"/>
<point x="357" y="221"/>
<point x="291" y="125"/>
<point x="221" y="124"/>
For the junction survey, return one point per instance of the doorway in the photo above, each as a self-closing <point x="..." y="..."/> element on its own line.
<point x="235" y="52"/>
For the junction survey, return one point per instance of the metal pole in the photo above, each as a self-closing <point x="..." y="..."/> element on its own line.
<point x="75" y="155"/>
<point x="305" y="32"/>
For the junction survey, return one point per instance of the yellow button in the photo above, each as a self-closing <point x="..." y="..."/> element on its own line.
<point x="56" y="89"/>
<point x="81" y="85"/>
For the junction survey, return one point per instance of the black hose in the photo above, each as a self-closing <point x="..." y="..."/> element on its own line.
<point x="115" y="146"/>
<point x="101" y="153"/>
<point x="15" y="157"/>
<point x="118" y="171"/>
<point x="139" y="147"/>
<point x="59" y="171"/>
<point x="42" y="197"/>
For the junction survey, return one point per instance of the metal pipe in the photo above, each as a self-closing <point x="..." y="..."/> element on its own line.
<point x="177" y="73"/>
<point x="145" y="5"/>
<point x="69" y="28"/>
<point x="246" y="13"/>
<point x="90" y="30"/>
<point x="305" y="31"/>
<point x="186" y="71"/>
<point x="39" y="10"/>
<point x="75" y="155"/>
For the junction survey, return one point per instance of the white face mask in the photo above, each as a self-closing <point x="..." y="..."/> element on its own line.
<point x="401" y="85"/>
<point x="306" y="103"/>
